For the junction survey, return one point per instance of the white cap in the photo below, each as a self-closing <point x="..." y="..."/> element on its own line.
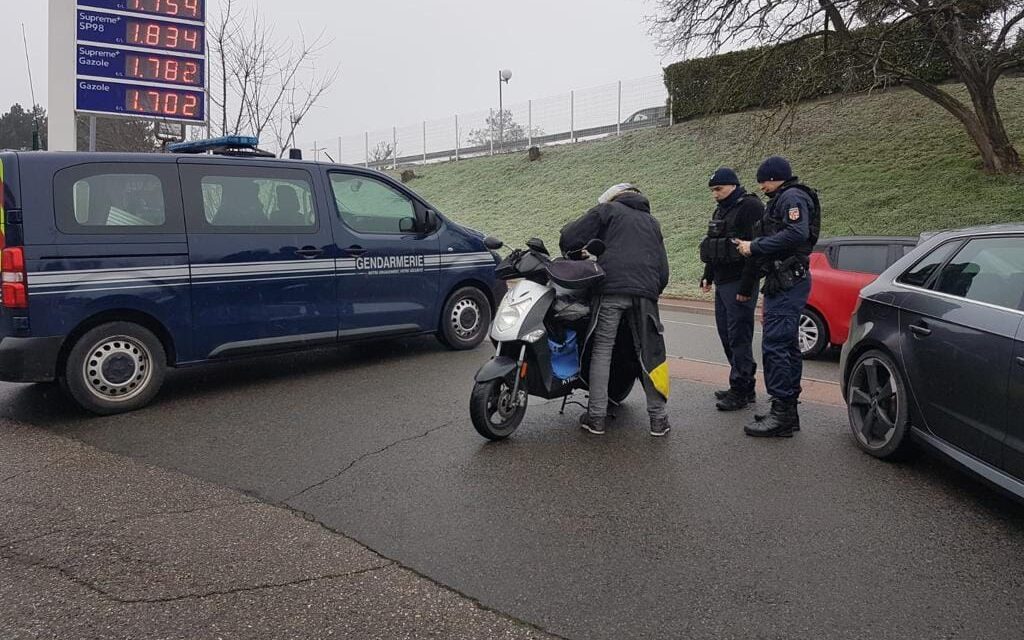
<point x="615" y="192"/>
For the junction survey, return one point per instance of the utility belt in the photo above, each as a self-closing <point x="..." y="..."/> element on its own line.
<point x="719" y="251"/>
<point x="782" y="275"/>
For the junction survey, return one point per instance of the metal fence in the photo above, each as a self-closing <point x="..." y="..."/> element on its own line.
<point x="583" y="114"/>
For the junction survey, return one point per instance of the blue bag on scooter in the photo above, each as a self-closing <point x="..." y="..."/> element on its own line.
<point x="565" y="356"/>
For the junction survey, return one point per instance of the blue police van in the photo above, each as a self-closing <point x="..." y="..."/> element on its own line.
<point x="118" y="266"/>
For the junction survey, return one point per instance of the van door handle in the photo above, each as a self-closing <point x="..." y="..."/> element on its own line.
<point x="309" y="252"/>
<point x="922" y="331"/>
<point x="1020" y="360"/>
<point x="355" y="250"/>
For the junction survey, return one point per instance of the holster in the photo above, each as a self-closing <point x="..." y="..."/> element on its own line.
<point x="783" y="275"/>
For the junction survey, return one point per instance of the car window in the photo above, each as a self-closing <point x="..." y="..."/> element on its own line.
<point x="986" y="270"/>
<point x="116" y="198"/>
<point x="368" y="205"/>
<point x="863" y="258"/>
<point x="249" y="199"/>
<point x="919" y="274"/>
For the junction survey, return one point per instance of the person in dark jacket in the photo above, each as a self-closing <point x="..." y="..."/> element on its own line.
<point x="734" y="278"/>
<point x="788" y="232"/>
<point x="636" y="267"/>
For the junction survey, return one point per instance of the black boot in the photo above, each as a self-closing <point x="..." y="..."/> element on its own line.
<point x="721" y="393"/>
<point x="779" y="423"/>
<point x="735" y="400"/>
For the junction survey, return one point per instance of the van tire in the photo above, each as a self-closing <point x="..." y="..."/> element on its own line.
<point x="114" y="368"/>
<point x="465" y="320"/>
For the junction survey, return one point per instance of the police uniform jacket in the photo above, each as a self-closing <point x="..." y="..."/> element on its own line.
<point x="786" y="227"/>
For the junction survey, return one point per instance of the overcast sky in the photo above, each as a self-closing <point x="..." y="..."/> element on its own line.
<point x="403" y="61"/>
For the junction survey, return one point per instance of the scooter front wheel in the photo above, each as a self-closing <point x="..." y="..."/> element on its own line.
<point x="495" y="413"/>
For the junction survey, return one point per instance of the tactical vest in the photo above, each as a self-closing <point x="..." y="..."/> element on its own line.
<point x="718" y="247"/>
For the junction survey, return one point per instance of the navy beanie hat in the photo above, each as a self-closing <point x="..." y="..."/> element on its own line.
<point x="774" y="168"/>
<point x="724" y="176"/>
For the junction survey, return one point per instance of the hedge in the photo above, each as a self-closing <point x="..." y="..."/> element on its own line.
<point x="799" y="70"/>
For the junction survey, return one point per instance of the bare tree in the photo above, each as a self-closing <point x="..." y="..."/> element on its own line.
<point x="979" y="39"/>
<point x="502" y="129"/>
<point x="265" y="84"/>
<point x="383" y="154"/>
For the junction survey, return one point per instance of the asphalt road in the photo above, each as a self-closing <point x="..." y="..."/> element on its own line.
<point x="702" y="534"/>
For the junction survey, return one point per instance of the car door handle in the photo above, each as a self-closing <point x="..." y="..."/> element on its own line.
<point x="1020" y="360"/>
<point x="918" y="330"/>
<point x="309" y="252"/>
<point x="355" y="250"/>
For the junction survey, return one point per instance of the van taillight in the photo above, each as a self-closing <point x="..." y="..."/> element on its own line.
<point x="12" y="276"/>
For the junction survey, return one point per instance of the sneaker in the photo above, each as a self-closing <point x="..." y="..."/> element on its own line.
<point x="592" y="424"/>
<point x="660" y="426"/>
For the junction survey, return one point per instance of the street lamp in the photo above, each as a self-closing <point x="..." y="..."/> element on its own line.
<point x="503" y="77"/>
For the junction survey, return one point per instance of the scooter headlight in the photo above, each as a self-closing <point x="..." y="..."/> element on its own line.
<point x="507" y="318"/>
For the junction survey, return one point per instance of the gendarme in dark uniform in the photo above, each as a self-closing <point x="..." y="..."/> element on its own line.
<point x="735" y="280"/>
<point x="783" y="246"/>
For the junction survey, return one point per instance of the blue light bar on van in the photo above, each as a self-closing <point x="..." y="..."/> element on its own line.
<point x="215" y="144"/>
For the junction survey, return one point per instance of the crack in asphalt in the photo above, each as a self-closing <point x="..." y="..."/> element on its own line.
<point x="305" y="515"/>
<point x="125" y="520"/>
<point x="32" y="563"/>
<point x="370" y="454"/>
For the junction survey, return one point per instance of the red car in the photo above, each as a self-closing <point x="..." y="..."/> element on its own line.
<point x="840" y="268"/>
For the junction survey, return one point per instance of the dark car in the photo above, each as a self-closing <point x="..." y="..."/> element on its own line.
<point x="840" y="268"/>
<point x="936" y="354"/>
<point x="649" y="117"/>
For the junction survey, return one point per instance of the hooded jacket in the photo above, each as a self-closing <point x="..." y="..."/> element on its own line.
<point x="635" y="261"/>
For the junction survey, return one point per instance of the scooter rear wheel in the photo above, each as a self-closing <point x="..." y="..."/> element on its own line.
<point x="494" y="412"/>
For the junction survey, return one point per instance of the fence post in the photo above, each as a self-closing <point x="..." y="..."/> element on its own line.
<point x="490" y="133"/>
<point x="618" y="120"/>
<point x="671" y="115"/>
<point x="367" y="150"/>
<point x="457" y="136"/>
<point x="394" y="147"/>
<point x="572" y="116"/>
<point x="529" y="126"/>
<point x="424" y="142"/>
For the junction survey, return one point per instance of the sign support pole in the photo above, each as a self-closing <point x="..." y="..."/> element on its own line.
<point x="61" y="130"/>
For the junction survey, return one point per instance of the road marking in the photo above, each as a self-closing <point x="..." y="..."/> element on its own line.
<point x="696" y="324"/>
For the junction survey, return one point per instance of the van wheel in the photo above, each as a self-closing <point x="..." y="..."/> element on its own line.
<point x="465" y="320"/>
<point x="114" y="368"/>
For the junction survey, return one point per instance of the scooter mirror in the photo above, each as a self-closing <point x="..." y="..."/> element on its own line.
<point x="537" y="245"/>
<point x="493" y="243"/>
<point x="595" y="247"/>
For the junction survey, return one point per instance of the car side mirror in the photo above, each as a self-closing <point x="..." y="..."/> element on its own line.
<point x="493" y="243"/>
<point x="407" y="225"/>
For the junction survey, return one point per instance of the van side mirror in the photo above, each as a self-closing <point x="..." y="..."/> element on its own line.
<point x="493" y="243"/>
<point x="431" y="222"/>
<point x="407" y="225"/>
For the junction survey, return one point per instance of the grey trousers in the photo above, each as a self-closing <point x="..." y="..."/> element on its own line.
<point x="607" y="329"/>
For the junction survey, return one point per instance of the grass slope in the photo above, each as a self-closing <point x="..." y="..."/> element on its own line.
<point x="889" y="163"/>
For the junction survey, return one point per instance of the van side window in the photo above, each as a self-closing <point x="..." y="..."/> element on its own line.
<point x="116" y="198"/>
<point x="371" y="206"/>
<point x="254" y="199"/>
